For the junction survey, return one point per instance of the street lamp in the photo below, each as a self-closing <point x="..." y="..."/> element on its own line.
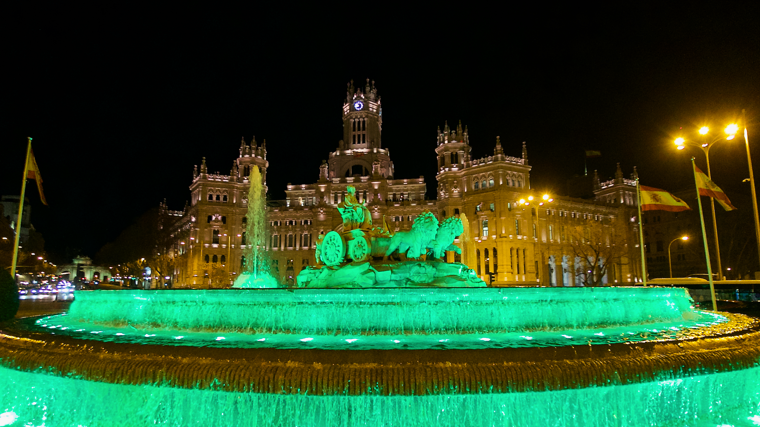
<point x="670" y="264"/>
<point x="705" y="146"/>
<point x="546" y="198"/>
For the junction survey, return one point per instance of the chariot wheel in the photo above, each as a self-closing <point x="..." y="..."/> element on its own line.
<point x="333" y="249"/>
<point x="359" y="249"/>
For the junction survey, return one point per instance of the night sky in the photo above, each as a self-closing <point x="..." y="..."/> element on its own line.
<point x="122" y="103"/>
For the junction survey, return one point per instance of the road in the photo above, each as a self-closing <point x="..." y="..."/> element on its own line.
<point x="37" y="305"/>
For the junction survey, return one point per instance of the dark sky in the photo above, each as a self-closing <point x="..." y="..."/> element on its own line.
<point x="122" y="103"/>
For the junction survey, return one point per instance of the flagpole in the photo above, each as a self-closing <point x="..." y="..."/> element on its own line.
<point x="704" y="238"/>
<point x="752" y="187"/>
<point x="20" y="211"/>
<point x="641" y="235"/>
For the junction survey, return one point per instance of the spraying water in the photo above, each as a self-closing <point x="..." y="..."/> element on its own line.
<point x="256" y="273"/>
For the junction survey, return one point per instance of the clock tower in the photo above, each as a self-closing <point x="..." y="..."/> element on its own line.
<point x="362" y="117"/>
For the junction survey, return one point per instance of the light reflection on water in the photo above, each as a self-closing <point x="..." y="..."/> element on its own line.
<point x="63" y="325"/>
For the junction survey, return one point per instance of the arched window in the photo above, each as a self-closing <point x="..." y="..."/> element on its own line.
<point x="215" y="237"/>
<point x="210" y="197"/>
<point x="208" y="219"/>
<point x="224" y="198"/>
<point x="290" y="240"/>
<point x="217" y="197"/>
<point x="224" y="220"/>
<point x="476" y="185"/>
<point x="517" y="227"/>
<point x="484" y="183"/>
<point x="242" y="238"/>
<point x="242" y="262"/>
<point x="490" y="182"/>
<point x="224" y="259"/>
<point x="205" y="258"/>
<point x="477" y="256"/>
<point x="456" y="211"/>
<point x="443" y="214"/>
<point x="214" y="259"/>
<point x="485" y="229"/>
<point x="245" y="220"/>
<point x="495" y="261"/>
<point x="487" y="259"/>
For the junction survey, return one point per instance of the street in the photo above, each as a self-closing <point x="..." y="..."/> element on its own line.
<point x="37" y="305"/>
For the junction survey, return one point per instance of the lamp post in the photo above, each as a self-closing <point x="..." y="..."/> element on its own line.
<point x="546" y="198"/>
<point x="670" y="264"/>
<point x="705" y="146"/>
<point x="752" y="186"/>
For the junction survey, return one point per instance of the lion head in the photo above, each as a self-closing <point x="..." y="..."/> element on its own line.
<point x="425" y="226"/>
<point x="450" y="228"/>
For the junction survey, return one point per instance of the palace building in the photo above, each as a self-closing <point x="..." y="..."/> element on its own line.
<point x="515" y="237"/>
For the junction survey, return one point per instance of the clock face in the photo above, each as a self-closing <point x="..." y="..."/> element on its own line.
<point x="358" y="105"/>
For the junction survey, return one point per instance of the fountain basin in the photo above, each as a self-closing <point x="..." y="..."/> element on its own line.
<point x="706" y="372"/>
<point x="384" y="310"/>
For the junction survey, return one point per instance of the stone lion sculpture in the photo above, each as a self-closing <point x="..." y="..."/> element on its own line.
<point x="448" y="231"/>
<point x="415" y="241"/>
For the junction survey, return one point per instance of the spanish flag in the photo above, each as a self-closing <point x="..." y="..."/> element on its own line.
<point x="709" y="189"/>
<point x="33" y="172"/>
<point x="654" y="199"/>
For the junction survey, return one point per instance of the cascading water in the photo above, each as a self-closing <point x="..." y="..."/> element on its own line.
<point x="256" y="274"/>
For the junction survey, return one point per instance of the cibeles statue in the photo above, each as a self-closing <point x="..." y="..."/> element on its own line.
<point x="361" y="255"/>
<point x="355" y="215"/>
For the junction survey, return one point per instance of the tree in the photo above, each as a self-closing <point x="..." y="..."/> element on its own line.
<point x="219" y="276"/>
<point x="161" y="265"/>
<point x="9" y="302"/>
<point x="599" y="245"/>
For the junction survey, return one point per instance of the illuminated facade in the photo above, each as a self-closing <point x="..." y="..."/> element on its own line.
<point x="207" y="238"/>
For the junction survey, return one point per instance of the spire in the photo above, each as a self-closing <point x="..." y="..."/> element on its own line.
<point x="466" y="136"/>
<point x="635" y="174"/>
<point x="498" y="150"/>
<point x="618" y="173"/>
<point x="195" y="171"/>
<point x="253" y="142"/>
<point x="525" y="154"/>
<point x="459" y="131"/>
<point x="597" y="184"/>
<point x="234" y="171"/>
<point x="204" y="169"/>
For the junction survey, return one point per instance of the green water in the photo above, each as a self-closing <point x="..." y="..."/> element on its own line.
<point x="720" y="399"/>
<point x="256" y="272"/>
<point x="659" y="331"/>
<point x="386" y="311"/>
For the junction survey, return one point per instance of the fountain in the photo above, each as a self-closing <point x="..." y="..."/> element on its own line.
<point x="256" y="274"/>
<point x="382" y="332"/>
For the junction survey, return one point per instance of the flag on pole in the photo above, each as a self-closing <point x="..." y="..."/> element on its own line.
<point x="708" y="188"/>
<point x="593" y="153"/>
<point x="654" y="199"/>
<point x="33" y="172"/>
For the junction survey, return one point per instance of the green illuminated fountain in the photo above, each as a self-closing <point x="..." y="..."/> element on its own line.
<point x="256" y="274"/>
<point x="382" y="332"/>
